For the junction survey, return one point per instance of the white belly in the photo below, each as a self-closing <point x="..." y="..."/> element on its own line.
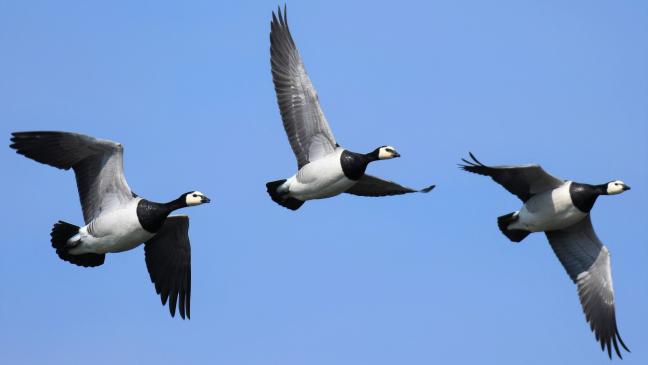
<point x="320" y="179"/>
<point x="549" y="211"/>
<point x="116" y="231"/>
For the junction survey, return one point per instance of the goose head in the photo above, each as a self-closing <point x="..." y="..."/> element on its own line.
<point x="384" y="153"/>
<point x="615" y="187"/>
<point x="193" y="198"/>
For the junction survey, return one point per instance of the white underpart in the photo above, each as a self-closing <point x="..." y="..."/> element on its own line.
<point x="548" y="211"/>
<point x="319" y="179"/>
<point x="115" y="231"/>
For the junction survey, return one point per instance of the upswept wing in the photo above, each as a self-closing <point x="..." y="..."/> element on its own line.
<point x="308" y="131"/>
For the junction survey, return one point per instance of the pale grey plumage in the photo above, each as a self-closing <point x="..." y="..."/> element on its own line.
<point x="308" y="131"/>
<point x="97" y="164"/>
<point x="587" y="262"/>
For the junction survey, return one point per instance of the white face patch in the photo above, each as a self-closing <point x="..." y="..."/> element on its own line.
<point x="616" y="187"/>
<point x="195" y="198"/>
<point x="387" y="152"/>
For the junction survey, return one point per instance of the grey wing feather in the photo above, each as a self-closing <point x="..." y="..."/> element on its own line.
<point x="523" y="181"/>
<point x="587" y="261"/>
<point x="168" y="260"/>
<point x="372" y="186"/>
<point x="308" y="131"/>
<point x="97" y="164"/>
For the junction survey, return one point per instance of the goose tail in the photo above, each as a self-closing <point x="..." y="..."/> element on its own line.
<point x="281" y="199"/>
<point x="515" y="235"/>
<point x="61" y="233"/>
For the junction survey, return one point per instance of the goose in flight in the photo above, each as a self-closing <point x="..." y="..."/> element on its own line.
<point x="561" y="209"/>
<point x="324" y="168"/>
<point x="116" y="219"/>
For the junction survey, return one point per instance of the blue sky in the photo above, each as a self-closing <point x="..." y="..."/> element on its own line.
<point x="419" y="279"/>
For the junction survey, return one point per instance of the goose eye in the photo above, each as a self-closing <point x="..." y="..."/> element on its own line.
<point x="195" y="195"/>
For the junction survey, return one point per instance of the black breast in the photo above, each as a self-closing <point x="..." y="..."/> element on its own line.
<point x="151" y="215"/>
<point x="583" y="196"/>
<point x="353" y="164"/>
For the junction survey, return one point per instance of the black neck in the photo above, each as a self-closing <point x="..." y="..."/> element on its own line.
<point x="584" y="195"/>
<point x="373" y="155"/>
<point x="152" y="215"/>
<point x="181" y="202"/>
<point x="355" y="164"/>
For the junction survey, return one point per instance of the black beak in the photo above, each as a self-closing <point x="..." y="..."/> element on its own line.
<point x="626" y="187"/>
<point x="204" y="199"/>
<point x="396" y="154"/>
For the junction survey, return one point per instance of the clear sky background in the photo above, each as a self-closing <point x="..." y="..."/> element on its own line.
<point x="419" y="279"/>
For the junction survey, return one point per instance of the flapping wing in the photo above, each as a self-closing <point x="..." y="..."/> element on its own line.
<point x="523" y="181"/>
<point x="168" y="260"/>
<point x="372" y="186"/>
<point x="308" y="131"/>
<point x="587" y="262"/>
<point x="98" y="166"/>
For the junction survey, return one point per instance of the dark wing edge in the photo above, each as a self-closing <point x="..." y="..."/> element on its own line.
<point x="62" y="150"/>
<point x="587" y="262"/>
<point x="168" y="261"/>
<point x="522" y="181"/>
<point x="373" y="186"/>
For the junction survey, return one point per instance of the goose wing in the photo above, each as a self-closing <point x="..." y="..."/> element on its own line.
<point x="587" y="262"/>
<point x="308" y="131"/>
<point x="524" y="181"/>
<point x="97" y="164"/>
<point x="373" y="186"/>
<point x="168" y="260"/>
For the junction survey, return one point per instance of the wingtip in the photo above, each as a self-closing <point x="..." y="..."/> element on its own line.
<point x="428" y="189"/>
<point x="475" y="158"/>
<point x="286" y="13"/>
<point x="283" y="20"/>
<point x="15" y="136"/>
<point x="608" y="344"/>
<point x="279" y="18"/>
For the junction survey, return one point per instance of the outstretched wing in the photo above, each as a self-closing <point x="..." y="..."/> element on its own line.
<point x="587" y="262"/>
<point x="97" y="163"/>
<point x="168" y="260"/>
<point x="523" y="181"/>
<point x="308" y="131"/>
<point x="372" y="186"/>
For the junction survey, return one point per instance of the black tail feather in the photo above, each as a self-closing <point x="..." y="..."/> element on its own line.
<point x="515" y="235"/>
<point x="284" y="201"/>
<point x="61" y="232"/>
